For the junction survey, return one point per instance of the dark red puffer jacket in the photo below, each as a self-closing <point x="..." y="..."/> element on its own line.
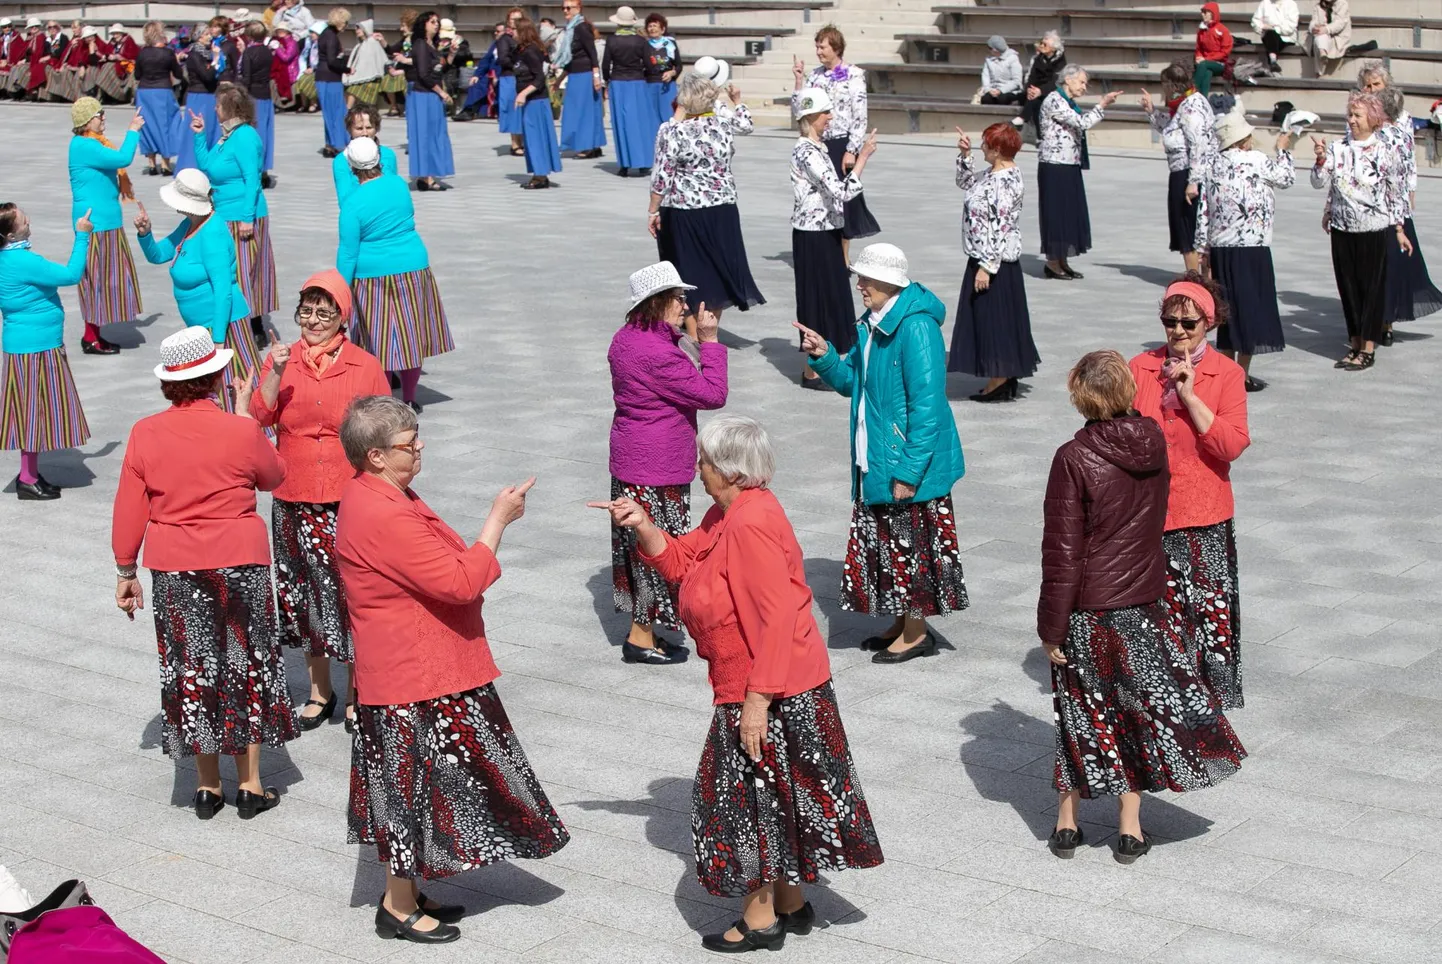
<point x="1106" y="509"/>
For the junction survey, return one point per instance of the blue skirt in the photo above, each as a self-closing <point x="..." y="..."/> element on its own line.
<point x="1254" y="325"/>
<point x="1066" y="227"/>
<point x="993" y="327"/>
<point x="633" y="121"/>
<point x="157" y="105"/>
<point x="508" y="118"/>
<point x="204" y="105"/>
<point x="265" y="127"/>
<point x="538" y="132"/>
<point x="665" y="101"/>
<point x="429" y="137"/>
<point x="331" y="95"/>
<point x="582" y="125"/>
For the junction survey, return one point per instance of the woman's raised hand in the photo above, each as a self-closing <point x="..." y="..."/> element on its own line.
<point x="83" y="224"/>
<point x="798" y="70"/>
<point x="811" y="343"/>
<point x="963" y="143"/>
<point x="868" y="146"/>
<point x="733" y="92"/>
<point x="1319" y="148"/>
<point x="1147" y="104"/>
<point x="197" y="123"/>
<point x="137" y="122"/>
<point x="142" y="220"/>
<point x="279" y="356"/>
<point x="510" y="502"/>
<point x="243" y="388"/>
<point x="707" y="323"/>
<point x="1110" y="98"/>
<point x="626" y="513"/>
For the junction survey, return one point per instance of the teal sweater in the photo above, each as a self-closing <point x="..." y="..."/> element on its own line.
<point x="30" y="308"/>
<point x="234" y="168"/>
<point x="378" y="231"/>
<point x="344" y="177"/>
<point x="202" y="272"/>
<point x="94" y="183"/>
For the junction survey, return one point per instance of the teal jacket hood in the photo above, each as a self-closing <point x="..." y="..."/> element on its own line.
<point x="914" y="299"/>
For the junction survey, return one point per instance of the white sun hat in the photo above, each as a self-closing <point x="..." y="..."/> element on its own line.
<point x="363" y="153"/>
<point x="624" y="17"/>
<point x="88" y="32"/>
<point x="654" y="279"/>
<point x="116" y="28"/>
<point x="242" y="15"/>
<point x="190" y="353"/>
<point x="1232" y="128"/>
<point x="884" y="263"/>
<point x="715" y="70"/>
<point x="1297" y="120"/>
<point x="6" y="22"/>
<point x="189" y="193"/>
<point x="33" y="22"/>
<point x="812" y="100"/>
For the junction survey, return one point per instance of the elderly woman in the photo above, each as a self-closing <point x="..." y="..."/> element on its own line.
<point x="109" y="289"/>
<point x="365" y="67"/>
<point x="284" y="64"/>
<point x="693" y="214"/>
<point x="1366" y="187"/>
<point x="157" y="71"/>
<point x="1131" y="713"/>
<point x="253" y="76"/>
<point x="305" y="389"/>
<point x="664" y="65"/>
<point x="993" y="326"/>
<point x="533" y="105"/>
<point x="1042" y="73"/>
<point x="1213" y="49"/>
<point x="399" y="317"/>
<point x="439" y="782"/>
<point x="660" y="379"/>
<point x="330" y="68"/>
<point x="1410" y="291"/>
<point x="1066" y="227"/>
<point x="187" y="490"/>
<point x="633" y="104"/>
<point x="777" y="800"/>
<point x="204" y="62"/>
<point x="1275" y="22"/>
<point x="1001" y="77"/>
<point x="583" y="128"/>
<point x="1186" y="130"/>
<point x="818" y="219"/>
<point x="41" y="409"/>
<point x="1199" y="398"/>
<point x="1329" y="33"/>
<point x="1235" y="230"/>
<point x="902" y="557"/>
<point x="362" y="120"/>
<point x="428" y="137"/>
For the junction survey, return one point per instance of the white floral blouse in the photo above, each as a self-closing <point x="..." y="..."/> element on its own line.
<point x="693" y="159"/>
<point x="1188" y="136"/>
<point x="1365" y="184"/>
<point x="819" y="195"/>
<point x="1238" y="203"/>
<point x="991" y="213"/>
<point x="846" y="86"/>
<point x="1062" y="130"/>
<point x="1403" y="138"/>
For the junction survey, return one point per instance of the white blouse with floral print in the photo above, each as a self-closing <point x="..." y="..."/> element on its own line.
<point x="1365" y="184"/>
<point x="846" y="85"/>
<point x="1062" y="129"/>
<point x="1188" y="136"/>
<point x="991" y="213"/>
<point x="693" y="159"/>
<point x="819" y="195"/>
<point x="1238" y="203"/>
<point x="1403" y="138"/>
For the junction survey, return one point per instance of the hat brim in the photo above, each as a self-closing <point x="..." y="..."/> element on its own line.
<point x="221" y="360"/>
<point x="656" y="291"/>
<point x="624" y="23"/>
<point x="882" y="275"/>
<point x="723" y="74"/>
<point x="178" y="202"/>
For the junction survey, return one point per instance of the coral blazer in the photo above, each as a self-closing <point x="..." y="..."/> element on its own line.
<point x="413" y="590"/>
<point x="1201" y="464"/>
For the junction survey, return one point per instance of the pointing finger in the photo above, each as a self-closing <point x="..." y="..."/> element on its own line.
<point x="525" y="486"/>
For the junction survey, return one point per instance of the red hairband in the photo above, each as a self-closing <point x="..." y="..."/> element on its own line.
<point x="1198" y="295"/>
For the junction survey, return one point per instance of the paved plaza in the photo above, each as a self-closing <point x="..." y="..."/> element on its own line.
<point x="1325" y="847"/>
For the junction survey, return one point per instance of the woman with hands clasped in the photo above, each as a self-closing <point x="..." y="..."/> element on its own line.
<point x="776" y="799"/>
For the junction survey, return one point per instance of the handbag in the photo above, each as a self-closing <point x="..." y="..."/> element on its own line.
<point x="67" y="928"/>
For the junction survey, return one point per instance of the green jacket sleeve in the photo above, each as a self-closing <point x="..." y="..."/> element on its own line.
<point x="837" y="370"/>
<point x="923" y="375"/>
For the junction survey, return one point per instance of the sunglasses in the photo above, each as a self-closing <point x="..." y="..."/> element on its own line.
<point x="1188" y="324"/>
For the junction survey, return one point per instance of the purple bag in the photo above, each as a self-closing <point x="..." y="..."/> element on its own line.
<point x="67" y="928"/>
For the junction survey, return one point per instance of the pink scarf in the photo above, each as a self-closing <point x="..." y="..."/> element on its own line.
<point x="1170" y="399"/>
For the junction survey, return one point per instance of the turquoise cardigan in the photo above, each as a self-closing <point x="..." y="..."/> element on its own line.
<point x="910" y="432"/>
<point x="234" y="168"/>
<point x="344" y="177"/>
<point x="94" y="182"/>
<point x="202" y="273"/>
<point x="30" y="309"/>
<point x="378" y="231"/>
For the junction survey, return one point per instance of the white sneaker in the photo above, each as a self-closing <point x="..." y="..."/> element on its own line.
<point x="1017" y="121"/>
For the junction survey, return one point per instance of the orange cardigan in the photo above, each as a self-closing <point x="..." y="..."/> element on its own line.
<point x="745" y="600"/>
<point x="413" y="590"/>
<point x="1201" y="465"/>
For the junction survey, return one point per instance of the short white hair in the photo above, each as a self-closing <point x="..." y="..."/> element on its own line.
<point x="1055" y="39"/>
<point x="739" y="449"/>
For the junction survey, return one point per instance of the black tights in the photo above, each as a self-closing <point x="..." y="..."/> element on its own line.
<point x="1273" y="42"/>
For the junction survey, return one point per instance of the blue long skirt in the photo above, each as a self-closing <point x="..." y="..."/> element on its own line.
<point x="430" y="138"/>
<point x="331" y="95"/>
<point x="538" y="130"/>
<point x="507" y="117"/>
<point x="157" y="105"/>
<point x="582" y="125"/>
<point x="665" y="98"/>
<point x="265" y="127"/>
<point x="204" y="105"/>
<point x="633" y="121"/>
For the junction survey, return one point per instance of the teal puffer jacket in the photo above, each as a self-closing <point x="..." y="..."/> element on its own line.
<point x="910" y="432"/>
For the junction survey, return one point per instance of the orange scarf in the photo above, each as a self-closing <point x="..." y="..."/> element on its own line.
<point x="127" y="190"/>
<point x="318" y="358"/>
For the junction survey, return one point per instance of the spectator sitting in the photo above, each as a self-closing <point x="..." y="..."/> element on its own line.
<point x="1276" y="24"/>
<point x="1331" y="33"/>
<point x="1042" y="72"/>
<point x="1214" y="47"/>
<point x="1001" y="74"/>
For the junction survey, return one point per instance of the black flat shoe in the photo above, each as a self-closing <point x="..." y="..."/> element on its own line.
<point x="814" y="384"/>
<point x="257" y="330"/>
<point x="350" y="717"/>
<point x="590" y="155"/>
<point x="208" y="804"/>
<point x="631" y="653"/>
<point x="623" y="172"/>
<point x="1064" y="843"/>
<point x="442" y="186"/>
<point x="641" y="172"/>
<point x="1005" y="392"/>
<point x="799" y="921"/>
<point x="416" y="407"/>
<point x="878" y="642"/>
<point x="100" y="347"/>
<point x="445" y="913"/>
<point x="33" y="492"/>
<point x="1129" y="848"/>
<point x="423" y="185"/>
<point x="248" y="804"/>
<point x="327" y="710"/>
<point x="927" y="647"/>
<point x="1074" y="274"/>
<point x="771" y="938"/>
<point x="536" y="184"/>
<point x="672" y="648"/>
<point x="391" y="927"/>
<point x="1386" y="341"/>
<point x="1055" y="275"/>
<point x="1254" y="384"/>
<point x="394" y="379"/>
<point x="1363" y="361"/>
<point x="1347" y="359"/>
<point x="267" y="181"/>
<point x="47" y="485"/>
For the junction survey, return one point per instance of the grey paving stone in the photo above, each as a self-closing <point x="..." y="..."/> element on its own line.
<point x="180" y="933"/>
<point x="1279" y="842"/>
<point x="1250" y="914"/>
<point x="1200" y="945"/>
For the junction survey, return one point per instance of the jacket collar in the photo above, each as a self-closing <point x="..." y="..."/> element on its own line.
<point x="895" y="311"/>
<point x="381" y="487"/>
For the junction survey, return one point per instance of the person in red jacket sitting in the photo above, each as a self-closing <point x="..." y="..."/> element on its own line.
<point x="1214" y="46"/>
<point x="1131" y="712"/>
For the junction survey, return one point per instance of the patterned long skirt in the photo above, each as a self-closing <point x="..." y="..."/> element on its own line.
<point x="308" y="588"/>
<point x="393" y="83"/>
<point x="105" y="79"/>
<point x="636" y="586"/>
<point x="399" y="319"/>
<point x="41" y="410"/>
<point x="443" y="786"/>
<point x="304" y="86"/>
<point x="64" y="84"/>
<point x="255" y="268"/>
<point x="1131" y="712"/>
<point x="365" y="93"/>
<point x="222" y="677"/>
<point x="1204" y="594"/>
<point x="798" y="812"/>
<point x="109" y="288"/>
<point x="902" y="559"/>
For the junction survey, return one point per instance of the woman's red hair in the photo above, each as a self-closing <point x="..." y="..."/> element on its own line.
<point x="1002" y="138"/>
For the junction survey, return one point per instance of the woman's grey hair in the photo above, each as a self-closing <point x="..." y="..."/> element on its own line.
<point x="739" y="449"/>
<point x="696" y="94"/>
<point x="1372" y="66"/>
<point x="371" y="422"/>
<point x="1070" y="71"/>
<point x="1392" y="100"/>
<point x="1054" y="39"/>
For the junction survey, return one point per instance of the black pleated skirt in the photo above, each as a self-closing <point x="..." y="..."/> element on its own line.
<point x="1066" y="227"/>
<point x="1410" y="292"/>
<point x="706" y="246"/>
<point x="1255" y="326"/>
<point x="859" y="221"/>
<point x="993" y="328"/>
<point x="1359" y="260"/>
<point x="1181" y="213"/>
<point x="823" y="286"/>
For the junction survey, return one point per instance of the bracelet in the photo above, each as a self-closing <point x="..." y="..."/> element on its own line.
<point x="125" y="572"/>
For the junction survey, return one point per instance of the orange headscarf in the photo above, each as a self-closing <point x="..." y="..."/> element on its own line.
<point x="318" y="358"/>
<point x="127" y="190"/>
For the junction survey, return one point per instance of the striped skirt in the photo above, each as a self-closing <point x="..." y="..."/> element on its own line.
<point x="41" y="411"/>
<point x="393" y="83"/>
<point x="255" y="268"/>
<point x="366" y="93"/>
<point x="16" y="79"/>
<point x="109" y="288"/>
<point x="63" y="85"/>
<point x="399" y="319"/>
<point x="247" y="359"/>
<point x="105" y="79"/>
<point x="304" y="86"/>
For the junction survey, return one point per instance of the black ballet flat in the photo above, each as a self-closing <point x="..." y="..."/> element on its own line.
<point x="1074" y="274"/>
<point x="445" y="913"/>
<point x="631" y="653"/>
<point x="1129" y="848"/>
<point x="590" y="155"/>
<point x="1254" y="384"/>
<point x="799" y="921"/>
<point x="34" y="492"/>
<point x="423" y="185"/>
<point x="771" y="938"/>
<point x="1386" y="341"/>
<point x="47" y="485"/>
<point x="641" y="172"/>
<point x="927" y="647"/>
<point x="99" y="347"/>
<point x="814" y="384"/>
<point x="878" y="642"/>
<point x="248" y="804"/>
<point x="1064" y="842"/>
<point x="623" y="172"/>
<point x="267" y="181"/>
<point x="536" y="184"/>
<point x="1056" y="275"/>
<point x="391" y="927"/>
<point x="1005" y="392"/>
<point x="208" y="804"/>
<point x="442" y="186"/>
<point x="327" y="710"/>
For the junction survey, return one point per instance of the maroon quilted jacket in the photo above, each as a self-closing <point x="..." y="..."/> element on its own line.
<point x="1106" y="508"/>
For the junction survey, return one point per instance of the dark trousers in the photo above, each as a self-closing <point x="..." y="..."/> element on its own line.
<point x="1359" y="259"/>
<point x="1203" y="74"/>
<point x="1031" y="114"/>
<point x="1014" y="97"/>
<point x="1273" y="42"/>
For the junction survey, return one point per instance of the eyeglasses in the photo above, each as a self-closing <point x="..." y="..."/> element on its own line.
<point x="414" y="446"/>
<point x="1188" y="324"/>
<point x="311" y="312"/>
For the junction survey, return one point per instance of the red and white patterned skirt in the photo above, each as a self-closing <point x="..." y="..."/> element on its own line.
<point x="903" y="560"/>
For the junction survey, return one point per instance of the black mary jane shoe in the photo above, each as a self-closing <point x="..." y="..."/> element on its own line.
<point x="391" y="927"/>
<point x="1347" y="359"/>
<point x="248" y="804"/>
<point x="1129" y="848"/>
<point x="99" y="347"/>
<point x="350" y="717"/>
<point x="327" y="710"/>
<point x="799" y="921"/>
<point x="445" y="913"/>
<point x="34" y="492"/>
<point x="208" y="804"/>
<point x="631" y="653"/>
<point x="1064" y="842"/>
<point x="771" y="938"/>
<point x="1074" y="274"/>
<point x="1053" y="275"/>
<point x="1363" y="361"/>
<point x="1254" y="384"/>
<point x="1005" y="392"/>
<point x="927" y="647"/>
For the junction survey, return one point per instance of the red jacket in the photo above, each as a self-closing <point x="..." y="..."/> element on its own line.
<point x="745" y="600"/>
<point x="39" y="62"/>
<point x="1201" y="465"/>
<point x="1214" y="40"/>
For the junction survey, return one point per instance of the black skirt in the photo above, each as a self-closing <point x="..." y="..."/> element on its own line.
<point x="859" y="222"/>
<point x="1181" y="213"/>
<point x="993" y="328"/>
<point x="1359" y="260"/>
<point x="823" y="286"/>
<point x="1255" y="326"/>
<point x="1066" y="227"/>
<point x="1410" y="292"/>
<point x="706" y="246"/>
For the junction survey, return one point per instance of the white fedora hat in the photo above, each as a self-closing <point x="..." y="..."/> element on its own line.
<point x="715" y="70"/>
<point x="190" y="353"/>
<point x="189" y="193"/>
<point x="654" y="279"/>
<point x="624" y="17"/>
<point x="812" y="100"/>
<point x="884" y="263"/>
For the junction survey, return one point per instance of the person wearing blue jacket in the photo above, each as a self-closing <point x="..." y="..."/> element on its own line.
<point x="902" y="558"/>
<point x="399" y="317"/>
<point x="362" y="120"/>
<point x="109" y="288"/>
<point x="41" y="410"/>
